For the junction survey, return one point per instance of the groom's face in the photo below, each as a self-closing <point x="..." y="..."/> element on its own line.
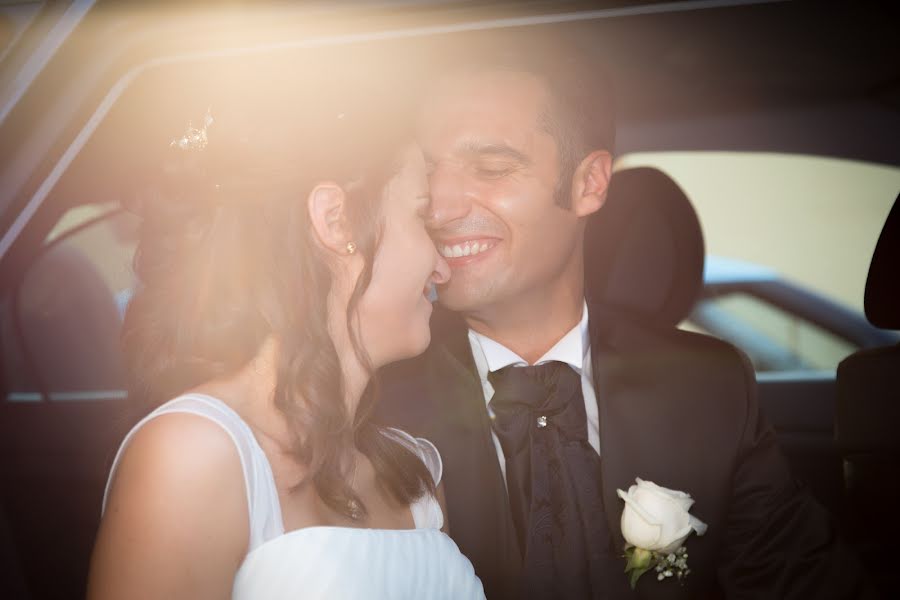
<point x="493" y="171"/>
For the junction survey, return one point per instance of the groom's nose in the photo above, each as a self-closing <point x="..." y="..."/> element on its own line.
<point x="450" y="199"/>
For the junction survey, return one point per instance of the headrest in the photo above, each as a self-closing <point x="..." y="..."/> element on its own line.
<point x="56" y="326"/>
<point x="883" y="283"/>
<point x="644" y="248"/>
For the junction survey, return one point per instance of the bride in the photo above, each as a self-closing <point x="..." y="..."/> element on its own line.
<point x="270" y="290"/>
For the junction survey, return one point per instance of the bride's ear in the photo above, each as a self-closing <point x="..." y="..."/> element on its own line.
<point x="327" y="215"/>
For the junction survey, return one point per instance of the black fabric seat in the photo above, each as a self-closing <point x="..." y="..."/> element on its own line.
<point x="644" y="254"/>
<point x="867" y="425"/>
<point x="12" y="581"/>
<point x="71" y="324"/>
<point x="644" y="249"/>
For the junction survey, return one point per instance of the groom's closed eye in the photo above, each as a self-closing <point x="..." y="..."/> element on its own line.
<point x="485" y="159"/>
<point x="494" y="169"/>
<point x="492" y="161"/>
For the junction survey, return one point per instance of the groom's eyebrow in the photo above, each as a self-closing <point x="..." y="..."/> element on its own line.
<point x="474" y="150"/>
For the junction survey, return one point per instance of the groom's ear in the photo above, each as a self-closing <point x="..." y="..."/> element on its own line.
<point x="327" y="215"/>
<point x="590" y="183"/>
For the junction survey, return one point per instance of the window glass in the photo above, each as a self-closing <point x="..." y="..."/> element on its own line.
<point x="813" y="220"/>
<point x="67" y="317"/>
<point x="774" y="339"/>
<point x="109" y="246"/>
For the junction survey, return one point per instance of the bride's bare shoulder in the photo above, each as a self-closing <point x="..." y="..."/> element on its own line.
<point x="181" y="446"/>
<point x="178" y="493"/>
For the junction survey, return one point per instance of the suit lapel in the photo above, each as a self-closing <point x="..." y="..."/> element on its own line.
<point x="612" y="463"/>
<point x="633" y="390"/>
<point x="629" y="402"/>
<point x="477" y="506"/>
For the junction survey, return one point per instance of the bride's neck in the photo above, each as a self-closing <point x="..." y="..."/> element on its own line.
<point x="251" y="391"/>
<point x="354" y="375"/>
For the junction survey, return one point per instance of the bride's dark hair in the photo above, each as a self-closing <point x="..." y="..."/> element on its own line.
<point x="227" y="258"/>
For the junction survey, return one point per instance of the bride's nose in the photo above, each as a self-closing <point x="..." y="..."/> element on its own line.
<point x="441" y="273"/>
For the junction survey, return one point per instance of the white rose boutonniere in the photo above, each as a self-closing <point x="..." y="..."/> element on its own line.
<point x="655" y="523"/>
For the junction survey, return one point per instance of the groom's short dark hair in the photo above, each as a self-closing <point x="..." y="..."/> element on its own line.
<point x="581" y="113"/>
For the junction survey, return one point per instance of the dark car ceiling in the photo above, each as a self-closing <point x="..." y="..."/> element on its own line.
<point x="701" y="57"/>
<point x="785" y="76"/>
<point x="796" y="76"/>
<point x="737" y="58"/>
<point x="805" y="77"/>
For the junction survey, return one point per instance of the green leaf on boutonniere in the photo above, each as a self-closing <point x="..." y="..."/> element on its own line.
<point x="638" y="561"/>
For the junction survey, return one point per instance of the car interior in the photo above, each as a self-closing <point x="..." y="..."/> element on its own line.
<point x="710" y="76"/>
<point x="644" y="251"/>
<point x="867" y="411"/>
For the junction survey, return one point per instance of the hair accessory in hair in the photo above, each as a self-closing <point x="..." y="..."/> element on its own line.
<point x="351" y="247"/>
<point x="193" y="138"/>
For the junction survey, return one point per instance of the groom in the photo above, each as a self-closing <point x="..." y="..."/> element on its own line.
<point x="542" y="405"/>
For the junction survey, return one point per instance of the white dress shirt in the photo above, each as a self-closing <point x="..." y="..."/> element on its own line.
<point x="574" y="349"/>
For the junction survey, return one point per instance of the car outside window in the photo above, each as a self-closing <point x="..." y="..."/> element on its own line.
<point x="67" y="312"/>
<point x="774" y="339"/>
<point x="778" y="225"/>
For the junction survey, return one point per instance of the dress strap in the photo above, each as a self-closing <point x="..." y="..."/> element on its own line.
<point x="262" y="495"/>
<point x="426" y="511"/>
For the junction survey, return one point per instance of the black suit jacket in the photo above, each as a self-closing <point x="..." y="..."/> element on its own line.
<point x="675" y="408"/>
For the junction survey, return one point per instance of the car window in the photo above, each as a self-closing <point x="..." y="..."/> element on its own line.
<point x="809" y="222"/>
<point x="65" y="316"/>
<point x="773" y="338"/>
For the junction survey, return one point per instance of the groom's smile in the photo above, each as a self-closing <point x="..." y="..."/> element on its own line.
<point x="466" y="248"/>
<point x="464" y="251"/>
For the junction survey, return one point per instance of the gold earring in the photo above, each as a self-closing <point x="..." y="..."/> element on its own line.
<point x="351" y="247"/>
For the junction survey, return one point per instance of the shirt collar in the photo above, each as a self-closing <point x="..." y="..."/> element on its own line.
<point x="572" y="349"/>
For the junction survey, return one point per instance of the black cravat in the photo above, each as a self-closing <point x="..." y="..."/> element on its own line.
<point x="553" y="478"/>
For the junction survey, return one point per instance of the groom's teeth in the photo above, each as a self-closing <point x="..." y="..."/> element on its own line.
<point x="465" y="249"/>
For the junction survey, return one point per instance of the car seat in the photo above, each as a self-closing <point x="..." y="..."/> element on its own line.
<point x="644" y="254"/>
<point x="644" y="249"/>
<point x="70" y="324"/>
<point x="12" y="581"/>
<point x="868" y="408"/>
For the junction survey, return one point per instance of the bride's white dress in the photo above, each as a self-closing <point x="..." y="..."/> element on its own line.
<point x="332" y="562"/>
